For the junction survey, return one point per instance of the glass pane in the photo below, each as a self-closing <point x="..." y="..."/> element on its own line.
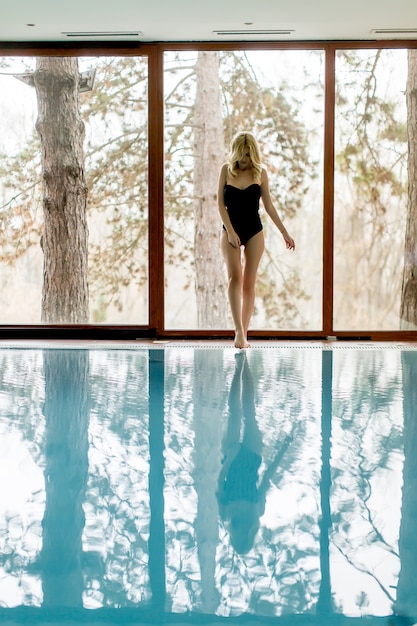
<point x="75" y="251"/>
<point x="370" y="188"/>
<point x="279" y="96"/>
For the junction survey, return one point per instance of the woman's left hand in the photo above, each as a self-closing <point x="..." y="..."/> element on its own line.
<point x="289" y="241"/>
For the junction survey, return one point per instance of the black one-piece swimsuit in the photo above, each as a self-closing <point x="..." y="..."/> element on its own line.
<point x="243" y="208"/>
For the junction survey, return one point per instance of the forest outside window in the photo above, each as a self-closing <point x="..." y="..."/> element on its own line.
<point x="74" y="191"/>
<point x="209" y="96"/>
<point x="372" y="127"/>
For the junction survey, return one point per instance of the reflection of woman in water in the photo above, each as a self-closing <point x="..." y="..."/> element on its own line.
<point x="241" y="494"/>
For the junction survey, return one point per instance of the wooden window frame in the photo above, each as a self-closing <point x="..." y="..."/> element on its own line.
<point x="155" y="329"/>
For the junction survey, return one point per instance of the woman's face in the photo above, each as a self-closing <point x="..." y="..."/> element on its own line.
<point x="245" y="162"/>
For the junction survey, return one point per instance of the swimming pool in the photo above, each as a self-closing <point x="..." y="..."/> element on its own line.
<point x="194" y="484"/>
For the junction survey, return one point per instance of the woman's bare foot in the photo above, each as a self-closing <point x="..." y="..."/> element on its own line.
<point x="240" y="341"/>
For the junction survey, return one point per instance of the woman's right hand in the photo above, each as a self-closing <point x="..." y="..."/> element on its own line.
<point x="234" y="239"/>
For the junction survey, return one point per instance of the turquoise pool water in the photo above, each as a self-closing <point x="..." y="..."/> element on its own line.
<point x="198" y="485"/>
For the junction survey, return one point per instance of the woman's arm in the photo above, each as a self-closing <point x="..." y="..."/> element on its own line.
<point x="272" y="212"/>
<point x="231" y="233"/>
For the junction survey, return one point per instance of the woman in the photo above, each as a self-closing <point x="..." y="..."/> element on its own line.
<point x="242" y="182"/>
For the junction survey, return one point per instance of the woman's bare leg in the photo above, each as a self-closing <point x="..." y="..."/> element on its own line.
<point x="234" y="272"/>
<point x="253" y="253"/>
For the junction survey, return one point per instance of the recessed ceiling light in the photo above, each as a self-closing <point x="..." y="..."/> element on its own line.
<point x="247" y="31"/>
<point x="104" y="33"/>
<point x="394" y="31"/>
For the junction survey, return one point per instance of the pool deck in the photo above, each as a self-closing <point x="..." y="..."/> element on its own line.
<point x="203" y="344"/>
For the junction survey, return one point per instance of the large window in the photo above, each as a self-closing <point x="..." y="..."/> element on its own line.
<point x="209" y="96"/>
<point x="108" y="117"/>
<point x="370" y="188"/>
<point x="109" y="173"/>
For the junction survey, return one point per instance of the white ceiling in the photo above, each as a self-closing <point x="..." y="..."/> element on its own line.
<point x="197" y="20"/>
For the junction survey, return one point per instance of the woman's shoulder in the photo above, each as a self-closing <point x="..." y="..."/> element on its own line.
<point x="224" y="171"/>
<point x="264" y="175"/>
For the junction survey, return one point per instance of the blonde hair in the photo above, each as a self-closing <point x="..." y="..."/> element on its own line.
<point x="241" y="143"/>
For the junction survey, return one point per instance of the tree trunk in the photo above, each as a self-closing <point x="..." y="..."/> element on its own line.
<point x="64" y="241"/>
<point x="408" y="311"/>
<point x="208" y="155"/>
